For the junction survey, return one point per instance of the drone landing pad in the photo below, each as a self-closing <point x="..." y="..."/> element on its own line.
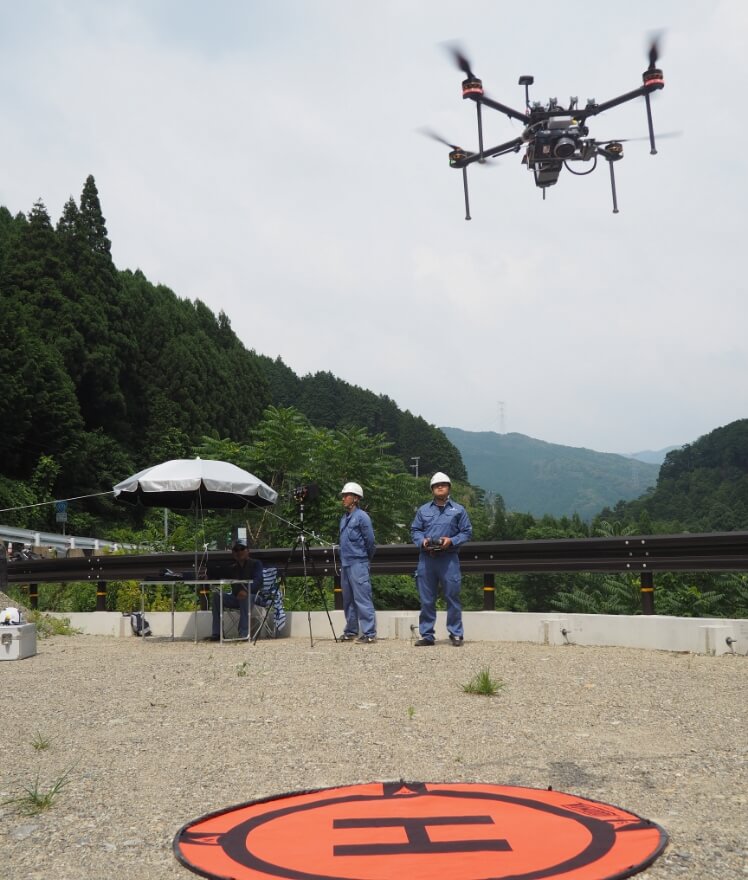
<point x="463" y="831"/>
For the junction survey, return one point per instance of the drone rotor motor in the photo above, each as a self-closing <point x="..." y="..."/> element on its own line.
<point x="456" y="156"/>
<point x="615" y="150"/>
<point x="654" y="78"/>
<point x="472" y="86"/>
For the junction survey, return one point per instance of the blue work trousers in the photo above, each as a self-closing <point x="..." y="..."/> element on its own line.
<point x="231" y="601"/>
<point x="358" y="604"/>
<point x="444" y="569"/>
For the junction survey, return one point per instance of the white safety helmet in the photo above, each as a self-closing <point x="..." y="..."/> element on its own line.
<point x="353" y="489"/>
<point x="439" y="477"/>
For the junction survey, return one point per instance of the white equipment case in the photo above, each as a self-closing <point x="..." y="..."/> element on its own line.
<point x="17" y="641"/>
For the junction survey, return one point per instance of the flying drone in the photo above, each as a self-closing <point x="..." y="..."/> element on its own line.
<point x="554" y="137"/>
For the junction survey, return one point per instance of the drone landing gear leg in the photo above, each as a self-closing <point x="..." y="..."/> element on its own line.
<point x="613" y="186"/>
<point x="652" y="147"/>
<point x="467" y="200"/>
<point x="480" y="133"/>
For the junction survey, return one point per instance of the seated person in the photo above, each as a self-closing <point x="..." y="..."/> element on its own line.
<point x="245" y="570"/>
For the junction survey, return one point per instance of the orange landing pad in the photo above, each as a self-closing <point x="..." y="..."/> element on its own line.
<point x="420" y="830"/>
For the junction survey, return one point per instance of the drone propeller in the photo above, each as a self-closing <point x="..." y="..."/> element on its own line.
<point x="429" y="133"/>
<point x="665" y="134"/>
<point x="461" y="60"/>
<point x="437" y="137"/>
<point x="654" y="51"/>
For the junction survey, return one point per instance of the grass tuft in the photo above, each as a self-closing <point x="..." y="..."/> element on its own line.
<point x="40" y="742"/>
<point x="34" y="799"/>
<point x="482" y="683"/>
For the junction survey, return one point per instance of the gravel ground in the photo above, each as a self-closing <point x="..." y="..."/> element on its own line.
<point x="155" y="734"/>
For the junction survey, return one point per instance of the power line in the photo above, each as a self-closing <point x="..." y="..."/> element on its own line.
<point x="43" y="503"/>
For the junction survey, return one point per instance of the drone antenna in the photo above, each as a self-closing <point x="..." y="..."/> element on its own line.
<point x="527" y="81"/>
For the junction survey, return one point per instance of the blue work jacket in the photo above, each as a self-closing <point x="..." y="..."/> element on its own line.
<point x="434" y="522"/>
<point x="251" y="572"/>
<point x="356" y="537"/>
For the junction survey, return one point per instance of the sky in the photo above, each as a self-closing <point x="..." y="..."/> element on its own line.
<point x="265" y="157"/>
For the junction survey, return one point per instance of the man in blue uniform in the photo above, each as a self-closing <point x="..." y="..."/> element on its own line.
<point x="356" y="550"/>
<point x="438" y="530"/>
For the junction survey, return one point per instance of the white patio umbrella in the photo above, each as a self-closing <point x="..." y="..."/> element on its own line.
<point x="198" y="483"/>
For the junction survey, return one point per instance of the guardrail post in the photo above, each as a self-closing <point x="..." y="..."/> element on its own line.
<point x="101" y="595"/>
<point x="33" y="596"/>
<point x="489" y="592"/>
<point x="337" y="592"/>
<point x="646" y="590"/>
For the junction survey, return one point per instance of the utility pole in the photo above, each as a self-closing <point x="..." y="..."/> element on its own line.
<point x="414" y="467"/>
<point x="501" y="417"/>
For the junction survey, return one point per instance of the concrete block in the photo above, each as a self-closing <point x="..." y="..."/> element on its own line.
<point x="554" y="631"/>
<point x="715" y="640"/>
<point x="399" y="624"/>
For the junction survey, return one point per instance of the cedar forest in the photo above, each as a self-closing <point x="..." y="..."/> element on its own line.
<point x="104" y="373"/>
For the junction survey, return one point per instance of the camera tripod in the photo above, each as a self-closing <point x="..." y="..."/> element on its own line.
<point x="307" y="562"/>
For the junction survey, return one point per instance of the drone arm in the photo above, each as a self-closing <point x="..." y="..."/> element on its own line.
<point x="594" y="109"/>
<point x="480" y="131"/>
<point x="502" y="108"/>
<point x="509" y="147"/>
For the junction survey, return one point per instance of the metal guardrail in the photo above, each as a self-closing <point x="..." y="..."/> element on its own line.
<point x="718" y="551"/>
<point x="33" y="538"/>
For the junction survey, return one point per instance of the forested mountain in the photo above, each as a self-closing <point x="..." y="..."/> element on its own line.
<point x="702" y="487"/>
<point x="329" y="402"/>
<point x="542" y="478"/>
<point x="104" y="373"/>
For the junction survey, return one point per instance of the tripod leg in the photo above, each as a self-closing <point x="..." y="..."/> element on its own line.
<point x="320" y="592"/>
<point x="262" y="624"/>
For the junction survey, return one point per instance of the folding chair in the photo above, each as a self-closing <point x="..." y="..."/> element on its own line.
<point x="267" y="617"/>
<point x="230" y="623"/>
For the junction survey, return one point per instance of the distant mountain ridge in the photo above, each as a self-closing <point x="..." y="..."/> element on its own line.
<point x="536" y="477"/>
<point x="652" y="456"/>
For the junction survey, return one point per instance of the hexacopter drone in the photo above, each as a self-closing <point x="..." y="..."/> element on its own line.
<point x="553" y="136"/>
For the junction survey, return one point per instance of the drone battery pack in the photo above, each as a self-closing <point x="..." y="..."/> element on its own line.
<point x="17" y="642"/>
